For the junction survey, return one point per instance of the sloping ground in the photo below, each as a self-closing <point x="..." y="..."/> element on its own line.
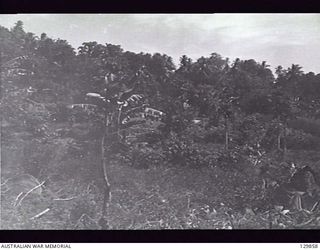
<point x="141" y="199"/>
<point x="157" y="197"/>
<point x="166" y="198"/>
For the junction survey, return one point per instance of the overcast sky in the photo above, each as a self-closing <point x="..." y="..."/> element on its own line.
<point x="279" y="39"/>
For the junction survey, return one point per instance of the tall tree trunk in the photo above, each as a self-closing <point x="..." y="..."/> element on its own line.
<point x="284" y="142"/>
<point x="106" y="184"/>
<point x="105" y="161"/>
<point x="280" y="134"/>
<point x="279" y="141"/>
<point x="226" y="135"/>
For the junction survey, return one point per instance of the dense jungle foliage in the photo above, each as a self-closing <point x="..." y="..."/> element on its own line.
<point x="210" y="143"/>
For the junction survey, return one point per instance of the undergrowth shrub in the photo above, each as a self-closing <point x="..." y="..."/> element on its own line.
<point x="300" y="140"/>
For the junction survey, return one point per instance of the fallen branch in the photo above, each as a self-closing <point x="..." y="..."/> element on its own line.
<point x="40" y="214"/>
<point x="65" y="199"/>
<point x="17" y="198"/>
<point x="315" y="206"/>
<point x="60" y="190"/>
<point x="305" y="223"/>
<point x="30" y="191"/>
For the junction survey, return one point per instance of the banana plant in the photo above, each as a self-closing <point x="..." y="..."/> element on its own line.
<point x="123" y="109"/>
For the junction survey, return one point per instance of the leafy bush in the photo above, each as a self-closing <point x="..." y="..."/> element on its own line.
<point x="300" y="140"/>
<point x="184" y="151"/>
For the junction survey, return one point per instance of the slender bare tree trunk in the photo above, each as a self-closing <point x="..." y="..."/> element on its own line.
<point x="226" y="135"/>
<point x="279" y="135"/>
<point x="105" y="160"/>
<point x="106" y="183"/>
<point x="279" y="141"/>
<point x="285" y="142"/>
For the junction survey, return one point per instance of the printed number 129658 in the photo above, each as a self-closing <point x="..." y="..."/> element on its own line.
<point x="308" y="245"/>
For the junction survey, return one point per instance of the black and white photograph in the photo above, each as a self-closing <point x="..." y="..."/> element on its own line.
<point x="159" y="121"/>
